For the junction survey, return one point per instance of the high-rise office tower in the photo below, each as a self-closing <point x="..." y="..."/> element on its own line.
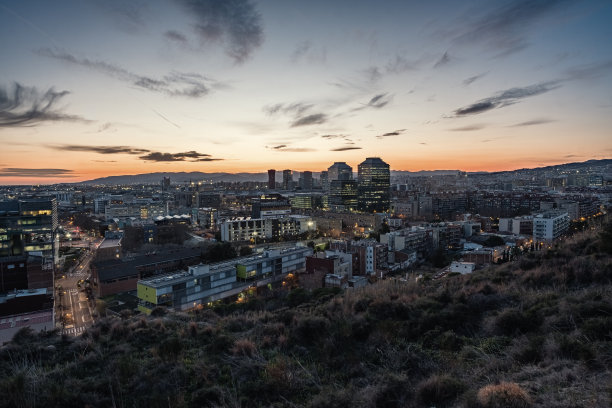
<point x="287" y="180"/>
<point x="271" y="179"/>
<point x="374" y="180"/>
<point x="324" y="178"/>
<point x="306" y="180"/>
<point x="339" y="171"/>
<point x="342" y="195"/>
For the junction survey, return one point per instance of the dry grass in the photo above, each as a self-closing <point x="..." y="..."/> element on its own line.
<point x="504" y="395"/>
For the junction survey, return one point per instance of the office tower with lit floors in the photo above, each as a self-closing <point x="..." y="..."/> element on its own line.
<point x="374" y="181"/>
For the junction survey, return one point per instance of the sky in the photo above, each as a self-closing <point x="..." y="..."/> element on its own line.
<point x="93" y="88"/>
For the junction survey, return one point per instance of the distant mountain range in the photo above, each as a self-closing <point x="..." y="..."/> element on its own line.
<point x="185" y="177"/>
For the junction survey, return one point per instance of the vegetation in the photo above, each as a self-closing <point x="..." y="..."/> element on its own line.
<point x="532" y="333"/>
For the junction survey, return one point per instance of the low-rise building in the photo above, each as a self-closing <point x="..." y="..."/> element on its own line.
<point x="462" y="267"/>
<point x="202" y="284"/>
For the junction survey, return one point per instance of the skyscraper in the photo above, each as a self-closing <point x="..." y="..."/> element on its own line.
<point x="339" y="171"/>
<point x="306" y="180"/>
<point x="271" y="179"/>
<point x="343" y="195"/>
<point x="287" y="180"/>
<point x="374" y="180"/>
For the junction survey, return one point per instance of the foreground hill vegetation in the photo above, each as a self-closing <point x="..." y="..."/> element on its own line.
<point x="532" y="333"/>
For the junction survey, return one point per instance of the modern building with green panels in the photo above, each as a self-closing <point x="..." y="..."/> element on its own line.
<point x="202" y="284"/>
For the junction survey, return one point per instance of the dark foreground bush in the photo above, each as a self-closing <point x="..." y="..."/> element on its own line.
<point x="439" y="390"/>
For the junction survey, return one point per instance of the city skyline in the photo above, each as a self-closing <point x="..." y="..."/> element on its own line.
<point x="102" y="88"/>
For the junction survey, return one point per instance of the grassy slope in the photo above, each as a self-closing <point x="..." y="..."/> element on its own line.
<point x="536" y="332"/>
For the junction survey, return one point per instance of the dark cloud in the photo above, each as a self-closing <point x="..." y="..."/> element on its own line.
<point x="234" y="23"/>
<point x="376" y="102"/>
<point x="507" y="98"/>
<point x="503" y="29"/>
<point x="534" y="122"/>
<point x="390" y="134"/>
<point x="470" y="80"/>
<point x="444" y="60"/>
<point x="314" y="119"/>
<point x="105" y="161"/>
<point x="297" y="109"/>
<point x="188" y="85"/>
<point x="191" y="156"/>
<point x="176" y="36"/>
<point x="100" y="149"/>
<point x="469" y="128"/>
<point x="24" y="106"/>
<point x="423" y="143"/>
<point x="379" y="101"/>
<point x="21" y="172"/>
<point x="278" y="147"/>
<point x="345" y="148"/>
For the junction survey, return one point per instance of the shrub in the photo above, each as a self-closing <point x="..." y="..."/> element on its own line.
<point x="243" y="347"/>
<point x="439" y="390"/>
<point x="503" y="395"/>
<point x="512" y="320"/>
<point x="311" y="328"/>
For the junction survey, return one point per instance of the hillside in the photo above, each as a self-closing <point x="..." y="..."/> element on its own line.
<point x="536" y="332"/>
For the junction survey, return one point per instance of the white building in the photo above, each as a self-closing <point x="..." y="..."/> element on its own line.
<point x="462" y="267"/>
<point x="550" y="225"/>
<point x="246" y="229"/>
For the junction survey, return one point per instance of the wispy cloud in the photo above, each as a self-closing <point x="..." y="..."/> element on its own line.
<point x="469" y="128"/>
<point x="506" y="98"/>
<point x="100" y="149"/>
<point x="503" y="29"/>
<point x="42" y="173"/>
<point x="176" y="36"/>
<point x="376" y="102"/>
<point x="400" y="64"/>
<point x="391" y="134"/>
<point x="305" y="51"/>
<point x="235" y="24"/>
<point x="24" y="106"/>
<point x="297" y="108"/>
<point x="285" y="148"/>
<point x="314" y="119"/>
<point x="190" y="156"/>
<point x="345" y="148"/>
<point x="470" y="80"/>
<point x="534" y="122"/>
<point x="183" y="84"/>
<point x="590" y="71"/>
<point x="444" y="60"/>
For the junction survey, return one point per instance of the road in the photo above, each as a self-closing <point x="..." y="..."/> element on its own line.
<point x="72" y="302"/>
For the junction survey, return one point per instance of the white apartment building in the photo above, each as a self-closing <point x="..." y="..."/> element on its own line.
<point x="550" y="225"/>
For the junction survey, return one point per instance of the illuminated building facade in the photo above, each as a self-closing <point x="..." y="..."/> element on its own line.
<point x="374" y="181"/>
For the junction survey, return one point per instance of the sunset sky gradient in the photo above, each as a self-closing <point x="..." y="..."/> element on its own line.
<point x="97" y="88"/>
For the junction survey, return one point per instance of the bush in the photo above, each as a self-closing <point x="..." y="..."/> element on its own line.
<point x="243" y="347"/>
<point x="503" y="395"/>
<point x="439" y="390"/>
<point x="511" y="321"/>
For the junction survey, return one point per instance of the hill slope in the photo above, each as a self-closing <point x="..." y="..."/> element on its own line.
<point x="536" y="332"/>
